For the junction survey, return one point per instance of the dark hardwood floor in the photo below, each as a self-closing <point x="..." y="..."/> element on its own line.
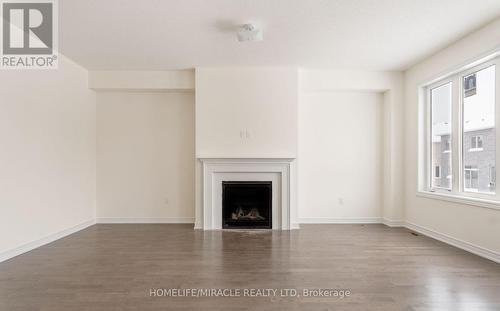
<point x="113" y="267"/>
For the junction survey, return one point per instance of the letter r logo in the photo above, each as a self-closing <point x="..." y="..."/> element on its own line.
<point x="27" y="28"/>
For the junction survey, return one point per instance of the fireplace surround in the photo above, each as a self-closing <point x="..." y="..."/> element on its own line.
<point x="212" y="172"/>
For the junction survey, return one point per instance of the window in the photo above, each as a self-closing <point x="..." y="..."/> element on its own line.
<point x="492" y="177"/>
<point x="476" y="143"/>
<point x="478" y="127"/>
<point x="461" y="133"/>
<point x="440" y="97"/>
<point x="447" y="145"/>
<point x="437" y="171"/>
<point x="470" y="178"/>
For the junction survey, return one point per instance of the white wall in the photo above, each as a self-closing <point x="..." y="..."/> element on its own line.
<point x="229" y="100"/>
<point x="233" y="101"/>
<point x="47" y="157"/>
<point x="145" y="157"/>
<point x="340" y="156"/>
<point x="329" y="82"/>
<point x="478" y="226"/>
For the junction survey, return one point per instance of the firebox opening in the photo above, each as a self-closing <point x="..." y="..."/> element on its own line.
<point x="247" y="205"/>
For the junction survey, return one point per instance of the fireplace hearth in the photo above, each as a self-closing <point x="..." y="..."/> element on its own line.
<point x="247" y="205"/>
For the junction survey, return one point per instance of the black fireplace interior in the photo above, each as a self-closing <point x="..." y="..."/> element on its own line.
<point x="246" y="205"/>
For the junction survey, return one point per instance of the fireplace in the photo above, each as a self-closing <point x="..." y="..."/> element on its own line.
<point x="247" y="205"/>
<point x="277" y="172"/>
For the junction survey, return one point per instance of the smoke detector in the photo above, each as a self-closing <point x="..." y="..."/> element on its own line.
<point x="248" y="32"/>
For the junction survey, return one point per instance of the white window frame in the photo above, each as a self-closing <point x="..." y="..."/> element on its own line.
<point x="428" y="143"/>
<point x="457" y="193"/>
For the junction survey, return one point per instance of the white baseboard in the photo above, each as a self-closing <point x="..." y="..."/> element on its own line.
<point x="145" y="220"/>
<point x="477" y="250"/>
<point x="45" y="240"/>
<point x="393" y="223"/>
<point x="340" y="220"/>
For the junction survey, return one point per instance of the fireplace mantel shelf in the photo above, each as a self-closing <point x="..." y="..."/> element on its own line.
<point x="266" y="159"/>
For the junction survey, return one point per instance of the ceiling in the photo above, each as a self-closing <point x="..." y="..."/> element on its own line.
<point x="178" y="34"/>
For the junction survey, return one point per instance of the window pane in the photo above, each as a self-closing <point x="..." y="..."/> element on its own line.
<point x="437" y="172"/>
<point x="471" y="178"/>
<point x="479" y="130"/>
<point x="441" y="135"/>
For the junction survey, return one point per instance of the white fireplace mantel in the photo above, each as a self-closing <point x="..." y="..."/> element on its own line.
<point x="280" y="171"/>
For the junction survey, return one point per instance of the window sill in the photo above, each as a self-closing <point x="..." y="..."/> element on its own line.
<point x="492" y="204"/>
<point x="475" y="149"/>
